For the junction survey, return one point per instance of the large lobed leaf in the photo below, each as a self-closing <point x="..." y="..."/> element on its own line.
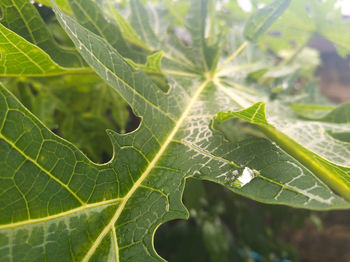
<point x="57" y="205"/>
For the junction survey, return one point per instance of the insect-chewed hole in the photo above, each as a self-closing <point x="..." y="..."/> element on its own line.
<point x="185" y="233"/>
<point x="199" y="197"/>
<point x="80" y="110"/>
<point x="133" y="121"/>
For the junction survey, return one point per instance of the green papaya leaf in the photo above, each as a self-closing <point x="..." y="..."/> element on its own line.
<point x="140" y="22"/>
<point x="154" y="70"/>
<point x="126" y="29"/>
<point x="260" y="21"/>
<point x="195" y="22"/>
<point x="90" y="16"/>
<point x="174" y="55"/>
<point x="112" y="68"/>
<point x="58" y="205"/>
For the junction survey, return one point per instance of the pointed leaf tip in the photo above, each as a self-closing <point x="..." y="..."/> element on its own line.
<point x="254" y="114"/>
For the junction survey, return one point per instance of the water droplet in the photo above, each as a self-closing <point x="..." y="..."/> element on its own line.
<point x="40" y="5"/>
<point x="246" y="177"/>
<point x="239" y="177"/>
<point x="32" y="2"/>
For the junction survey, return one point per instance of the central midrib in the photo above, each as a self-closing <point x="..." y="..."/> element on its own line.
<point x="146" y="172"/>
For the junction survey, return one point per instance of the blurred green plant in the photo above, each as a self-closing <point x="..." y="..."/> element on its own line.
<point x="224" y="227"/>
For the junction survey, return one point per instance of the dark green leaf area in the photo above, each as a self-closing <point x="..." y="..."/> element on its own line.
<point x="21" y="17"/>
<point x="90" y="16"/>
<point x="202" y="53"/>
<point x="72" y="230"/>
<point x="44" y="171"/>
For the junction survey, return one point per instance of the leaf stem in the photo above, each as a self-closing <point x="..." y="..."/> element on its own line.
<point x="233" y="56"/>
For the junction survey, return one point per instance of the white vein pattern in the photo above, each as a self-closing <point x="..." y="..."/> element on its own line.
<point x="315" y="136"/>
<point x="213" y="153"/>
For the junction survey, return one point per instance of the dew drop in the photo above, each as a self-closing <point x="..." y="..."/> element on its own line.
<point x="239" y="178"/>
<point x="32" y="2"/>
<point x="246" y="177"/>
<point x="40" y="5"/>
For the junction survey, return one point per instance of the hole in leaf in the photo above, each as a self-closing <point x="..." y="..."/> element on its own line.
<point x="133" y="121"/>
<point x="185" y="234"/>
<point x="79" y="109"/>
<point x="46" y="13"/>
<point x="222" y="224"/>
<point x="53" y="26"/>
